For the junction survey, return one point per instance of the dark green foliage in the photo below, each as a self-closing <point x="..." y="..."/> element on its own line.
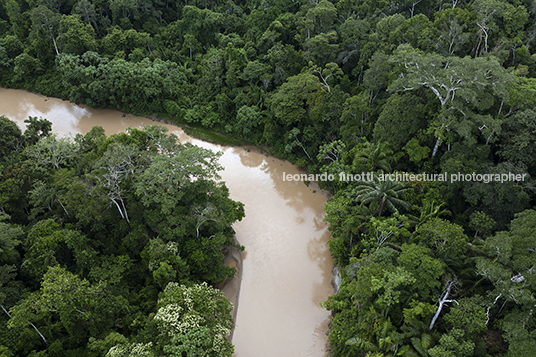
<point x="338" y="87"/>
<point x="427" y="270"/>
<point x="400" y="119"/>
<point x="11" y="138"/>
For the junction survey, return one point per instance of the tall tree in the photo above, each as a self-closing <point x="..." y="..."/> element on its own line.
<point x="460" y="84"/>
<point x="45" y="23"/>
<point x="50" y="151"/>
<point x="387" y="194"/>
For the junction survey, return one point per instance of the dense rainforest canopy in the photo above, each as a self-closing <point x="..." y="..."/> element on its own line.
<point x="350" y="86"/>
<point x="112" y="245"/>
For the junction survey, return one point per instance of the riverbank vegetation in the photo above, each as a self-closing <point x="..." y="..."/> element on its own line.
<point x="343" y="86"/>
<point x="112" y="245"/>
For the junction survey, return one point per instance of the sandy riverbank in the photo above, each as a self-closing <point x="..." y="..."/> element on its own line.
<point x="231" y="287"/>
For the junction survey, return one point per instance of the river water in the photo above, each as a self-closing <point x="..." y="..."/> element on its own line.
<point x="286" y="265"/>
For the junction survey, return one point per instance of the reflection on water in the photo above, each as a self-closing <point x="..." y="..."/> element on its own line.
<point x="248" y="158"/>
<point x="287" y="271"/>
<point x="317" y="251"/>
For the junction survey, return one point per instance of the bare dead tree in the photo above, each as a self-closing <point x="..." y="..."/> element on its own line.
<point x="444" y="299"/>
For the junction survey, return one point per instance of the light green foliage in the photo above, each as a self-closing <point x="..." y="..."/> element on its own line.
<point x="41" y="198"/>
<point x="327" y="75"/>
<point x="108" y="342"/>
<point x="385" y="30"/>
<point x="343" y="217"/>
<point x="162" y="181"/>
<point x="418" y="311"/>
<point x="383" y="229"/>
<point x="418" y="30"/>
<point x="74" y="303"/>
<point x="481" y="223"/>
<point x="195" y="320"/>
<point x="321" y="48"/>
<point x="508" y="267"/>
<point x="322" y="15"/>
<point x="461" y="85"/>
<point x="389" y="286"/>
<point x="164" y="261"/>
<point x="468" y="315"/>
<point x="130" y="85"/>
<point x="522" y="230"/>
<point x="448" y="239"/>
<point x="354" y="301"/>
<point x="79" y="197"/>
<point x="519" y="332"/>
<point x="41" y="245"/>
<point x="386" y="256"/>
<point x="294" y="140"/>
<point x="5" y="352"/>
<point x="50" y="151"/>
<point x="67" y="294"/>
<point x="247" y="118"/>
<point x="118" y="164"/>
<point x="131" y="350"/>
<point x="332" y="155"/>
<point x="427" y="271"/>
<point x="195" y="342"/>
<point x="376" y="77"/>
<point x="453" y="345"/>
<point x="111" y="269"/>
<point x="160" y="141"/>
<point x="326" y="108"/>
<point x="75" y="37"/>
<point x="520" y="95"/>
<point x="509" y="263"/>
<point x="415" y="151"/>
<point x="432" y="209"/>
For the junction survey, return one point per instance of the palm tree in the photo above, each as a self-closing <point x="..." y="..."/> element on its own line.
<point x="374" y="156"/>
<point x="432" y="209"/>
<point x="387" y="193"/>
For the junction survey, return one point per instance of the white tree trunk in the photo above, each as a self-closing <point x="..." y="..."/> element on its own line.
<point x="442" y="301"/>
<point x="436" y="146"/>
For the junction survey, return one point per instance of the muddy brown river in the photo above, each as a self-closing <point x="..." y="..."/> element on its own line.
<point x="286" y="263"/>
